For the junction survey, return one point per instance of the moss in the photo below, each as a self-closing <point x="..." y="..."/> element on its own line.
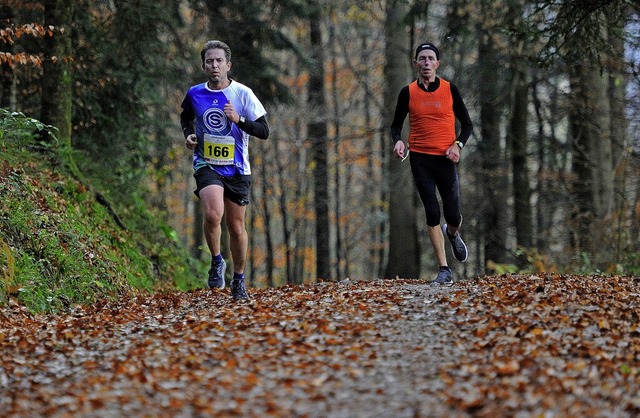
<point x="63" y="241"/>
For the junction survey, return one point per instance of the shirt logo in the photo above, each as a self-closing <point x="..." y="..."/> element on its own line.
<point x="431" y="104"/>
<point x="216" y="121"/>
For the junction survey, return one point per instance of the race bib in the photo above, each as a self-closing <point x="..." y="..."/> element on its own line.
<point x="219" y="150"/>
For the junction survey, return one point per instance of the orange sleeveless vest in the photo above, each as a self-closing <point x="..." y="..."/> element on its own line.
<point x="432" y="123"/>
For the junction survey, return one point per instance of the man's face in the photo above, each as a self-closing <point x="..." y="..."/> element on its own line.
<point x="427" y="63"/>
<point x="215" y="65"/>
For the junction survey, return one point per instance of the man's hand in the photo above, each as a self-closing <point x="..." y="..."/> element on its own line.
<point x="453" y="153"/>
<point x="231" y="113"/>
<point x="191" y="142"/>
<point x="399" y="150"/>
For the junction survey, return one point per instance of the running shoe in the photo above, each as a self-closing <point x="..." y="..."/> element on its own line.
<point x="459" y="248"/>
<point x="238" y="291"/>
<point x="216" y="274"/>
<point x="444" y="277"/>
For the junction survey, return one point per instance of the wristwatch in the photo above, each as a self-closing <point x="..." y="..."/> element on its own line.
<point x="241" y="119"/>
<point x="459" y="144"/>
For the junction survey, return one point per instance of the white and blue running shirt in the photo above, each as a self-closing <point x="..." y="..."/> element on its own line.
<point x="222" y="145"/>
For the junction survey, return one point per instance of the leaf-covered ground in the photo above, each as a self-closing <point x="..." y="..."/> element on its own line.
<point x="523" y="346"/>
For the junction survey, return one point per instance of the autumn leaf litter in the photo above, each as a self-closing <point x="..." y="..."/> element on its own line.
<point x="546" y="345"/>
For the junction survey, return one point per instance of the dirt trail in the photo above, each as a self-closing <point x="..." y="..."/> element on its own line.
<point x="505" y="346"/>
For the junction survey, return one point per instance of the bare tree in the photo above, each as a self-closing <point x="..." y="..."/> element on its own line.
<point x="518" y="140"/>
<point x="592" y="149"/>
<point x="494" y="168"/>
<point x="317" y="130"/>
<point x="404" y="249"/>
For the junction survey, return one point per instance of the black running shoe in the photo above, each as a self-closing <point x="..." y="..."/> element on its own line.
<point x="238" y="291"/>
<point x="458" y="246"/>
<point x="216" y="274"/>
<point x="444" y="277"/>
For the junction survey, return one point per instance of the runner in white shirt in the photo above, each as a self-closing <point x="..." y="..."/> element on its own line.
<point x="226" y="113"/>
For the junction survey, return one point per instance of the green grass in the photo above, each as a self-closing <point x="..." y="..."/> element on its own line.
<point x="60" y="245"/>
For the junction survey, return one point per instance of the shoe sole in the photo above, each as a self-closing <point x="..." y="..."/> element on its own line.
<point x="216" y="287"/>
<point x="442" y="284"/>
<point x="466" y="251"/>
<point x="444" y="230"/>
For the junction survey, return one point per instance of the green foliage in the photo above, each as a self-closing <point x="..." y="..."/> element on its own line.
<point x="574" y="30"/>
<point x="502" y="268"/>
<point x="127" y="62"/>
<point x="61" y="243"/>
<point x="253" y="30"/>
<point x="582" y="263"/>
<point x="535" y="262"/>
<point x="16" y="126"/>
<point x="632" y="263"/>
<point x="629" y="370"/>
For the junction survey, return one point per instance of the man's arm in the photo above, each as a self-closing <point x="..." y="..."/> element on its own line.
<point x="462" y="114"/>
<point x="187" y="117"/>
<point x="402" y="108"/>
<point x="258" y="128"/>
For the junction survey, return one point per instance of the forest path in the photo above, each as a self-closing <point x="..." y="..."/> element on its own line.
<point x="492" y="346"/>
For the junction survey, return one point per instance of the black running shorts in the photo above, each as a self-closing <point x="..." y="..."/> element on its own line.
<point x="236" y="188"/>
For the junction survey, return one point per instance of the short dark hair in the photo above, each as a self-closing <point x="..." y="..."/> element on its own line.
<point x="427" y="45"/>
<point x="214" y="44"/>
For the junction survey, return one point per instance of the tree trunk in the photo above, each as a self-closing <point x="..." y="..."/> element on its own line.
<point x="317" y="130"/>
<point x="494" y="169"/>
<point x="617" y="86"/>
<point x="377" y="225"/>
<point x="404" y="248"/>
<point x="545" y="204"/>
<point x="518" y="140"/>
<point x="57" y="80"/>
<point x="592" y="151"/>
<point x="340" y="245"/>
<point x="284" y="199"/>
<point x="251" y="259"/>
<point x="266" y="214"/>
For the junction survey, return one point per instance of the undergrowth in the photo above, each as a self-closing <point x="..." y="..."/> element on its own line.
<point x="62" y="242"/>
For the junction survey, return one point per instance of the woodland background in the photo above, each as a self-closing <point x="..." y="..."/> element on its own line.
<point x="549" y="179"/>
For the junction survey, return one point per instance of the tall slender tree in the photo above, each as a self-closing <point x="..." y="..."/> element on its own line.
<point x="317" y="131"/>
<point x="618" y="81"/>
<point x="518" y="141"/>
<point x="517" y="136"/>
<point x="404" y="248"/>
<point x="58" y="76"/>
<point x="340" y="243"/>
<point x="592" y="147"/>
<point x="494" y="167"/>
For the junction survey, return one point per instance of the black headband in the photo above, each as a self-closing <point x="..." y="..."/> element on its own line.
<point x="432" y="47"/>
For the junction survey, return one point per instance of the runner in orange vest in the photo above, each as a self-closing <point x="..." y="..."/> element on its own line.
<point x="433" y="105"/>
